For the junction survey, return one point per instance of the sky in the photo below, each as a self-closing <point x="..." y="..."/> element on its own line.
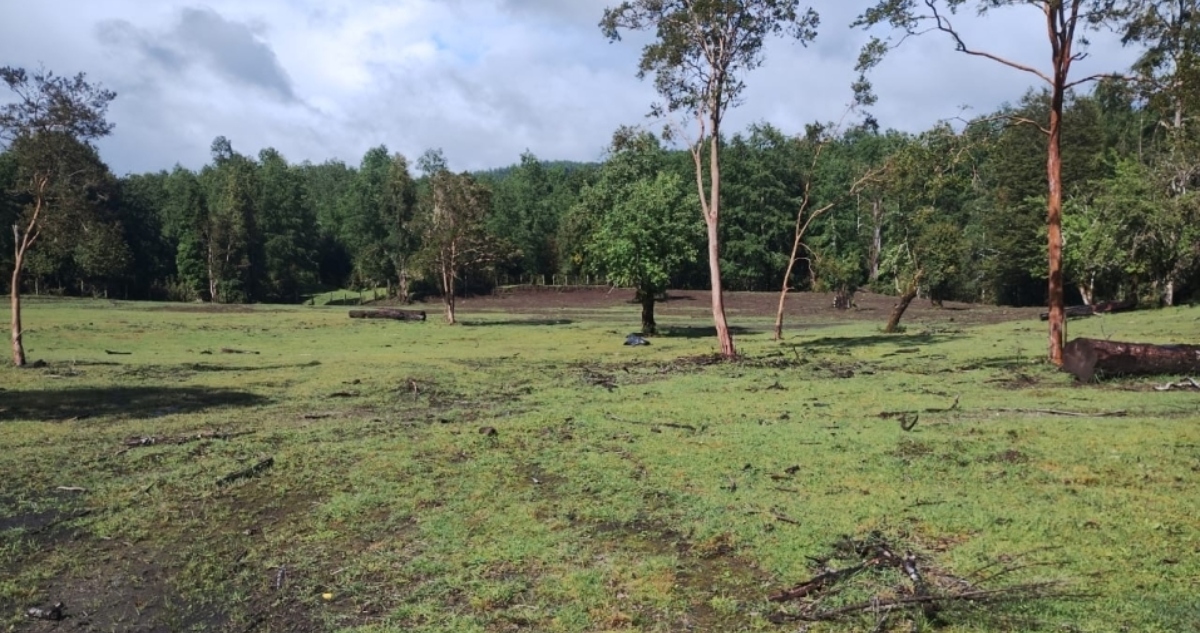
<point x="484" y="80"/>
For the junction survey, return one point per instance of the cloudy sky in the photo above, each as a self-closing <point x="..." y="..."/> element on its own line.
<point x="482" y="79"/>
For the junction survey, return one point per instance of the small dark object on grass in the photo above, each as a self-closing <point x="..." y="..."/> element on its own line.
<point x="54" y="613"/>
<point x="636" y="339"/>
<point x="389" y="313"/>
<point x="247" y="473"/>
<point x="230" y="350"/>
<point x="116" y="353"/>
<point x="344" y="394"/>
<point x="489" y="431"/>
<point x="37" y="364"/>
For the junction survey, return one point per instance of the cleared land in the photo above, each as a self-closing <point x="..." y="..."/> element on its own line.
<point x="178" y="468"/>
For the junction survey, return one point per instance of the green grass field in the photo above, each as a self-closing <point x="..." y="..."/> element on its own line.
<point x="529" y="472"/>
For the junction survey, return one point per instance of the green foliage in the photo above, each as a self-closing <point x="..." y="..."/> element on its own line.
<point x="644" y="226"/>
<point x="704" y="49"/>
<point x="764" y="187"/>
<point x="451" y="223"/>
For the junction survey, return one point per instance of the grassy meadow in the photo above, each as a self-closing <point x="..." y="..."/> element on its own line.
<point x="525" y="471"/>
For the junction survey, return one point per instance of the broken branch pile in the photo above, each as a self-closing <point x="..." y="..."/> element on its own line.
<point x="874" y="578"/>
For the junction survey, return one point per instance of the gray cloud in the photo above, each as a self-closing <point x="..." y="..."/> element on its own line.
<point x="122" y="33"/>
<point x="483" y="79"/>
<point x="234" y="50"/>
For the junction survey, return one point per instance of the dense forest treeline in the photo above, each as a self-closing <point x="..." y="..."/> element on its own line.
<point x="958" y="210"/>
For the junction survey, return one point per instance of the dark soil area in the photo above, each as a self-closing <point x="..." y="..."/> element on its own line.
<point x="801" y="309"/>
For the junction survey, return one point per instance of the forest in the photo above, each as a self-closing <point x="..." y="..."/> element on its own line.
<point x="954" y="212"/>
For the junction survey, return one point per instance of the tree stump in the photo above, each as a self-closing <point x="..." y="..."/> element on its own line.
<point x="1087" y="359"/>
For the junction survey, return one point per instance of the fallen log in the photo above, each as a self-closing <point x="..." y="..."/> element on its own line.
<point x="389" y="313"/>
<point x="1087" y="358"/>
<point x="1105" y="307"/>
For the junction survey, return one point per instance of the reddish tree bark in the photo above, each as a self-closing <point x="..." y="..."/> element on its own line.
<point x="1087" y="359"/>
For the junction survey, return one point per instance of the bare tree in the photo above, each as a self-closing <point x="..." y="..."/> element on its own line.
<point x="699" y="60"/>
<point x="49" y="127"/>
<point x="1065" y="22"/>
<point x="452" y="227"/>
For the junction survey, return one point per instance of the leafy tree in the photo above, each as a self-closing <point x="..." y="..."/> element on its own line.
<point x="185" y="219"/>
<point x="839" y="170"/>
<point x="1132" y="235"/>
<point x="455" y="240"/>
<point x="1169" y="66"/>
<point x="233" y="247"/>
<point x="643" y="230"/>
<point x="287" y="222"/>
<point x="326" y="186"/>
<point x="143" y="199"/>
<point x="49" y="127"/>
<point x="1065" y="21"/>
<point x="764" y="171"/>
<point x="379" y="211"/>
<point x="699" y="60"/>
<point x="525" y="214"/>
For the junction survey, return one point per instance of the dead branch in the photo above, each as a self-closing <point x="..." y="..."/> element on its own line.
<point x="1073" y="414"/>
<point x="246" y="473"/>
<point x="152" y="440"/>
<point x="982" y="596"/>
<point x="1186" y="383"/>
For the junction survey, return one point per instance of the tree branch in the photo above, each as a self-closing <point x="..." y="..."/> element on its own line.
<point x="943" y="24"/>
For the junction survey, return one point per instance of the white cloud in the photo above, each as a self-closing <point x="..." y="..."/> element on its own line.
<point x="482" y="79"/>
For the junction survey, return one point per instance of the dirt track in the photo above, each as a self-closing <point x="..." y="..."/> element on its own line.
<point x="805" y="306"/>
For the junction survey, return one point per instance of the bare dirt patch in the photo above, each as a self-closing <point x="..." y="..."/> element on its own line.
<point x="805" y="306"/>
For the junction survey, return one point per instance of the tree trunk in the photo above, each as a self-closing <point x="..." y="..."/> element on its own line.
<point x="876" y="238"/>
<point x="649" y="327"/>
<point x="724" y="338"/>
<point x="1169" y="293"/>
<point x="448" y="295"/>
<point x="1087" y="290"/>
<point x="893" y="323"/>
<point x="787" y="281"/>
<point x="212" y="277"/>
<point x="1087" y="359"/>
<point x="402" y="291"/>
<point x="1062" y="36"/>
<point x="18" y="346"/>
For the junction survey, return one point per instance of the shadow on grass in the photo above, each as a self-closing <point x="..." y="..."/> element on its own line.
<point x="517" y="322"/>
<point x="700" y="331"/>
<point x="133" y="402"/>
<point x="895" y="340"/>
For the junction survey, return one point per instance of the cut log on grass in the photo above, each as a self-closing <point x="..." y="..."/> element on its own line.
<point x="1087" y="358"/>
<point x="1099" y="308"/>
<point x="395" y="315"/>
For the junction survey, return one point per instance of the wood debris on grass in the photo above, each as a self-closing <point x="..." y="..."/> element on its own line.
<point x="247" y="473"/>
<point x="1185" y="384"/>
<point x="138" y="441"/>
<point x="873" y="577"/>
